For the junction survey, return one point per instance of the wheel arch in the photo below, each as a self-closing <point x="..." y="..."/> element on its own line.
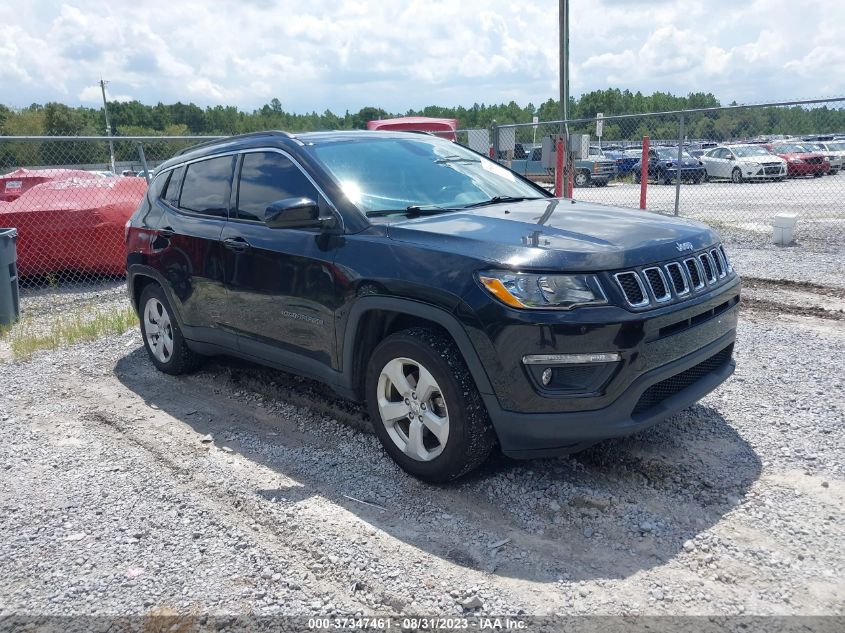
<point x="371" y="319"/>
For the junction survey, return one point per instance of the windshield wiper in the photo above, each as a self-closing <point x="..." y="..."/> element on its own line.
<point x="498" y="199"/>
<point x="411" y="211"/>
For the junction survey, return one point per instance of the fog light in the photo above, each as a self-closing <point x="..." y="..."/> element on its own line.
<point x="546" y="377"/>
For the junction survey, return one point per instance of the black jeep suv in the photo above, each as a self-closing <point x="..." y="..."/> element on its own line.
<point x="465" y="305"/>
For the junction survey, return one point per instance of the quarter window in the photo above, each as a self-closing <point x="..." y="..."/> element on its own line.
<point x="267" y="177"/>
<point x="171" y="192"/>
<point x="206" y="186"/>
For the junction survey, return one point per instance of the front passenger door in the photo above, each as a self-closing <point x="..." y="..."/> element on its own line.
<point x="281" y="282"/>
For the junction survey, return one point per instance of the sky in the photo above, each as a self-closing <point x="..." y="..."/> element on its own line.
<point x="397" y="55"/>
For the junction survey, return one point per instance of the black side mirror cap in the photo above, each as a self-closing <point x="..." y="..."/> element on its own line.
<point x="293" y="213"/>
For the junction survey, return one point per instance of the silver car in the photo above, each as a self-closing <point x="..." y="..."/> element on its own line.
<point x="743" y="162"/>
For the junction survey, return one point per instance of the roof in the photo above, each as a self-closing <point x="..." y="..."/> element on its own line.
<point x="412" y="120"/>
<point x="274" y="137"/>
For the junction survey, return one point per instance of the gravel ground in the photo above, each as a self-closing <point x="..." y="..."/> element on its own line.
<point x="244" y="490"/>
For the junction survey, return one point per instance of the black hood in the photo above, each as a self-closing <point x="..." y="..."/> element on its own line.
<point x="557" y="234"/>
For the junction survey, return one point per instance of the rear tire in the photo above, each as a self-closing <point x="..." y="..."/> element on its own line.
<point x="425" y="407"/>
<point x="162" y="336"/>
<point x="736" y="175"/>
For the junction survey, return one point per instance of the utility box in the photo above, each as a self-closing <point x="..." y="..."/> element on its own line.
<point x="579" y="146"/>
<point x="784" y="229"/>
<point x="9" y="298"/>
<point x="547" y="153"/>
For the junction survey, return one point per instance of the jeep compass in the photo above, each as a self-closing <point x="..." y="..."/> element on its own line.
<point x="461" y="302"/>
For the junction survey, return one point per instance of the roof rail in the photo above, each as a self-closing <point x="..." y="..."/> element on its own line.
<point x="234" y="137"/>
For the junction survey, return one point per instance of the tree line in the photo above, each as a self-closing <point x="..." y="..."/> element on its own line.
<point x="136" y="119"/>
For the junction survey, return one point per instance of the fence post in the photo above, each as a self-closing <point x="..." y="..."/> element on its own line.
<point x="680" y="163"/>
<point x="144" y="162"/>
<point x="644" y="173"/>
<point x="494" y="135"/>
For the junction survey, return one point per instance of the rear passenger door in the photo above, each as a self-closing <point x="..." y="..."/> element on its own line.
<point x="188" y="246"/>
<point x="282" y="282"/>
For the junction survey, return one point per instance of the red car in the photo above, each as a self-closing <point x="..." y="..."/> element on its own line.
<point x="800" y="162"/>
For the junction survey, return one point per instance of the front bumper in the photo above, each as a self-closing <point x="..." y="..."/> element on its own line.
<point x="529" y="435"/>
<point x="687" y="173"/>
<point x="653" y="345"/>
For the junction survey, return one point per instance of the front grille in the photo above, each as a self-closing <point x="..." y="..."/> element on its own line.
<point x="633" y="289"/>
<point x="814" y="160"/>
<point x="773" y="170"/>
<point x="673" y="280"/>
<point x="673" y="385"/>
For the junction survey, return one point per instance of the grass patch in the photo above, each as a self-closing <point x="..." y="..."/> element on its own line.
<point x="31" y="335"/>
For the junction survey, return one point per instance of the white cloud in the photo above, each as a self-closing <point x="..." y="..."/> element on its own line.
<point x="344" y="55"/>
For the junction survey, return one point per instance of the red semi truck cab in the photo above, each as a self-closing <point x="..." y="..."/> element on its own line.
<point x="444" y="128"/>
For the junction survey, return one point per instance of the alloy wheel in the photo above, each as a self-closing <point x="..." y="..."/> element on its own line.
<point x="413" y="409"/>
<point x="158" y="329"/>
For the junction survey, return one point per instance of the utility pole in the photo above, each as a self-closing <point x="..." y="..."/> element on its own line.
<point x="563" y="18"/>
<point x="563" y="36"/>
<point x="108" y="124"/>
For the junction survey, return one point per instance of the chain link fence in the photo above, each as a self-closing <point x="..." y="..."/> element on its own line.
<point x="737" y="168"/>
<point x="69" y="198"/>
<point x="740" y="168"/>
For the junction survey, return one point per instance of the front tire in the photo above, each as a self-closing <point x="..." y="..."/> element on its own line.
<point x="736" y="175"/>
<point x="425" y="407"/>
<point x="162" y="336"/>
<point x="582" y="178"/>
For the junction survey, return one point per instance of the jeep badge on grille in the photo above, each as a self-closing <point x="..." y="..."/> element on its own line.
<point x="683" y="246"/>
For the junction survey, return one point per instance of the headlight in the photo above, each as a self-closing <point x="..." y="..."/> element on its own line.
<point x="795" y="160"/>
<point x="526" y="290"/>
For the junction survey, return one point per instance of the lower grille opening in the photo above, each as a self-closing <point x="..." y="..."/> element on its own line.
<point x="680" y="326"/>
<point x="667" y="388"/>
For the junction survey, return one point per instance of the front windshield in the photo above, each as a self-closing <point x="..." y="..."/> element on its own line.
<point x="668" y="153"/>
<point x="744" y="151"/>
<point x="836" y="147"/>
<point x="383" y="174"/>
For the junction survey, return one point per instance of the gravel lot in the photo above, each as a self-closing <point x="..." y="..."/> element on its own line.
<point x="244" y="490"/>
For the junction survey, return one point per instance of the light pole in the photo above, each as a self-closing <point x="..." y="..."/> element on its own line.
<point x="108" y="124"/>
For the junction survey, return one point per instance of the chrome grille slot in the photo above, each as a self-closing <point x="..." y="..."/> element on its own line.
<point x="679" y="280"/>
<point x="658" y="285"/>
<point x="728" y="264"/>
<point x="694" y="271"/>
<point x="707" y="265"/>
<point x="717" y="259"/>
<point x="633" y="289"/>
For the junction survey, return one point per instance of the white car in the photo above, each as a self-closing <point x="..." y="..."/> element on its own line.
<point x="743" y="162"/>
<point x="834" y="151"/>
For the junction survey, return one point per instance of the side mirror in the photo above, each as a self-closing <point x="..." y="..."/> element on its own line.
<point x="292" y="213"/>
<point x="731" y="157"/>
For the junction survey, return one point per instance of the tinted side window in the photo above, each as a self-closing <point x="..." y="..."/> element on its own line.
<point x="171" y="192"/>
<point x="206" y="186"/>
<point x="267" y="177"/>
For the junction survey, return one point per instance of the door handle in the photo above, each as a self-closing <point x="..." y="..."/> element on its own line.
<point x="236" y="244"/>
<point x="166" y="232"/>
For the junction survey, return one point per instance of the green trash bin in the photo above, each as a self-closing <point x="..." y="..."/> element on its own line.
<point x="10" y="308"/>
